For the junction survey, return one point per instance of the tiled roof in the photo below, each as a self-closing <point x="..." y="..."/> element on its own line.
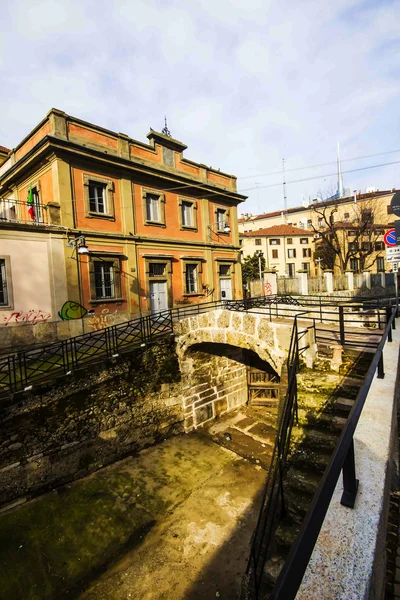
<point x="4" y="149"/>
<point x="277" y="230"/>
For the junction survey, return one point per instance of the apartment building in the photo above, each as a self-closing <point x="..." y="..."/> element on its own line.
<point x="286" y="249"/>
<point x="346" y="216"/>
<point x="112" y="225"/>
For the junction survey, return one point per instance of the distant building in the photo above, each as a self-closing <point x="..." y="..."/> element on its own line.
<point x="285" y="248"/>
<point x="345" y="214"/>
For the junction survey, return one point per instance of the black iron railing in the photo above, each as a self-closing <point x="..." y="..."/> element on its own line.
<point x="342" y="459"/>
<point x="25" y="368"/>
<point x="273" y="502"/>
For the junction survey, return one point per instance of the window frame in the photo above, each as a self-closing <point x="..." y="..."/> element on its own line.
<point x="304" y="241"/>
<point x="277" y="254"/>
<point x="380" y="260"/>
<point x="291" y="252"/>
<point x="274" y="242"/>
<point x="117" y="284"/>
<point x="108" y="186"/>
<point x="198" y="265"/>
<point x="161" y="208"/>
<point x="217" y="225"/>
<point x="193" y="203"/>
<point x="306" y="252"/>
<point x="257" y="242"/>
<point x="289" y="241"/>
<point x="9" y="305"/>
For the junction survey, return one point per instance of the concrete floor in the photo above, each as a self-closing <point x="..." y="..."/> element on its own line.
<point x="200" y="547"/>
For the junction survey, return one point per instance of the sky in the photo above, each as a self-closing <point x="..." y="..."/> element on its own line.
<point x="243" y="83"/>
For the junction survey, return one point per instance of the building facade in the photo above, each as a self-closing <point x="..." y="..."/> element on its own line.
<point x="286" y="249"/>
<point x="121" y="227"/>
<point x="358" y="224"/>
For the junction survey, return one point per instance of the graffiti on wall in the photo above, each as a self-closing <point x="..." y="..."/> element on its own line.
<point x="72" y="310"/>
<point x="32" y="317"/>
<point x="268" y="288"/>
<point x="104" y="319"/>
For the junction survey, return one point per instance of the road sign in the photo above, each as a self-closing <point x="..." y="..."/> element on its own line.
<point x="390" y="237"/>
<point x="395" y="204"/>
<point x="393" y="254"/>
<point x="395" y="267"/>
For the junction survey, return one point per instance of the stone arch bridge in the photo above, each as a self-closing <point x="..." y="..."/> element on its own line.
<point x="215" y="350"/>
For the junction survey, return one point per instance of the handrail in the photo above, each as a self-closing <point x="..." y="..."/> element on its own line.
<point x="273" y="496"/>
<point x="292" y="573"/>
<point x="23" y="368"/>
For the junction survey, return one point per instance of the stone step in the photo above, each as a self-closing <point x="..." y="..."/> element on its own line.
<point x="305" y="480"/>
<point x="273" y="566"/>
<point x="297" y="504"/>
<point x="314" y="439"/>
<point x="285" y="535"/>
<point x="305" y="458"/>
<point x="344" y="404"/>
<point x="270" y="402"/>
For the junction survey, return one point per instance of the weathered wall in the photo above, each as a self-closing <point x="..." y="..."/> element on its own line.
<point x="213" y="384"/>
<point x="73" y="427"/>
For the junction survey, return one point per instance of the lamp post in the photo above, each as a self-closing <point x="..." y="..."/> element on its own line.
<point x="224" y="229"/>
<point x="259" y="254"/>
<point x="78" y="244"/>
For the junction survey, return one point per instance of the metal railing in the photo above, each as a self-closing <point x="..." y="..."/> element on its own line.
<point x="273" y="501"/>
<point x="342" y="459"/>
<point x="25" y="368"/>
<point x="18" y="211"/>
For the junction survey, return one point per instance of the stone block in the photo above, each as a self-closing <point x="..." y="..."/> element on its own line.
<point x="220" y="406"/>
<point x="224" y="319"/>
<point x="218" y="337"/>
<point x="249" y="324"/>
<point x="236" y="323"/>
<point x="203" y="414"/>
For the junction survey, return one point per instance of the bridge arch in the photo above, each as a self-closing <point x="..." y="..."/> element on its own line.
<point x="213" y="351"/>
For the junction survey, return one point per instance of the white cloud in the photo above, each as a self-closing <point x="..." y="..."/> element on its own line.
<point x="243" y="82"/>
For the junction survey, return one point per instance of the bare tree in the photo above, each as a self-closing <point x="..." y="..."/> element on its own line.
<point x="346" y="233"/>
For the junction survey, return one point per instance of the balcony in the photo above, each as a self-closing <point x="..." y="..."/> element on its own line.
<point x="17" y="211"/>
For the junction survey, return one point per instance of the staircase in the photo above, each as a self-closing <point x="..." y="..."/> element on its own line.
<point x="324" y="402"/>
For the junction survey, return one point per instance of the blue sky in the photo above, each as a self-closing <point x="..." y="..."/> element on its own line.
<point x="244" y="83"/>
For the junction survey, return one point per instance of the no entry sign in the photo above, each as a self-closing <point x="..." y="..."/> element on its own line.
<point x="390" y="237"/>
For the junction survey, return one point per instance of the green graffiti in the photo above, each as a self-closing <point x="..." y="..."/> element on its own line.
<point x="72" y="310"/>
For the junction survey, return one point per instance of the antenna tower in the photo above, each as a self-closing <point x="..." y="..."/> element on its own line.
<point x="284" y="190"/>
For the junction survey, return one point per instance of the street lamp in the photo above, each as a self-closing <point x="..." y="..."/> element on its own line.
<point x="78" y="244"/>
<point x="224" y="229"/>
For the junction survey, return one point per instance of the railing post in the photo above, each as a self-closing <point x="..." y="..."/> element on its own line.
<point x="350" y="483"/>
<point x="381" y="372"/>
<point x="341" y="325"/>
<point x="320" y="309"/>
<point x="388" y="315"/>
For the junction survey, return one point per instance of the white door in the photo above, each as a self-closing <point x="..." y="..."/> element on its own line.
<point x="158" y="296"/>
<point x="225" y="286"/>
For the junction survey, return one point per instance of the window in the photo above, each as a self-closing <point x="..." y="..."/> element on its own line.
<point x="191" y="279"/>
<point x="152" y="207"/>
<point x="303" y="240"/>
<point x="355" y="265"/>
<point x="380" y="264"/>
<point x="353" y="246"/>
<point x="366" y="246"/>
<point x="274" y="253"/>
<point x="302" y="225"/>
<point x="379" y="231"/>
<point x="351" y="233"/>
<point x="367" y="216"/>
<point x="97" y="197"/>
<point x="306" y="267"/>
<point x="389" y="209"/>
<point x="221" y="218"/>
<point x="188" y="214"/>
<point x="379" y="246"/>
<point x="3" y="283"/>
<point x="240" y="242"/>
<point x="104" y="279"/>
<point x="274" y="242"/>
<point x="291" y="253"/>
<point x="258" y="242"/>
<point x="306" y="252"/>
<point x="320" y="222"/>
<point x="157" y="269"/>
<point x="290" y="269"/>
<point x="224" y="270"/>
<point x="346" y="217"/>
<point x="309" y="224"/>
<point x="290" y="240"/>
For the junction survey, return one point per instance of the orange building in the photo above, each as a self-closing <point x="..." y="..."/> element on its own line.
<point x="160" y="230"/>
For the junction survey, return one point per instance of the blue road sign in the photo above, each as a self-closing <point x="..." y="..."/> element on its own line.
<point x="390" y="238"/>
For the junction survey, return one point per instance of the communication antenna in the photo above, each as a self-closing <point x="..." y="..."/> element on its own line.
<point x="340" y="190"/>
<point x="284" y="190"/>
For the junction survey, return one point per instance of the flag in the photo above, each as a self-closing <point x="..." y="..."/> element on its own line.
<point x="31" y="204"/>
